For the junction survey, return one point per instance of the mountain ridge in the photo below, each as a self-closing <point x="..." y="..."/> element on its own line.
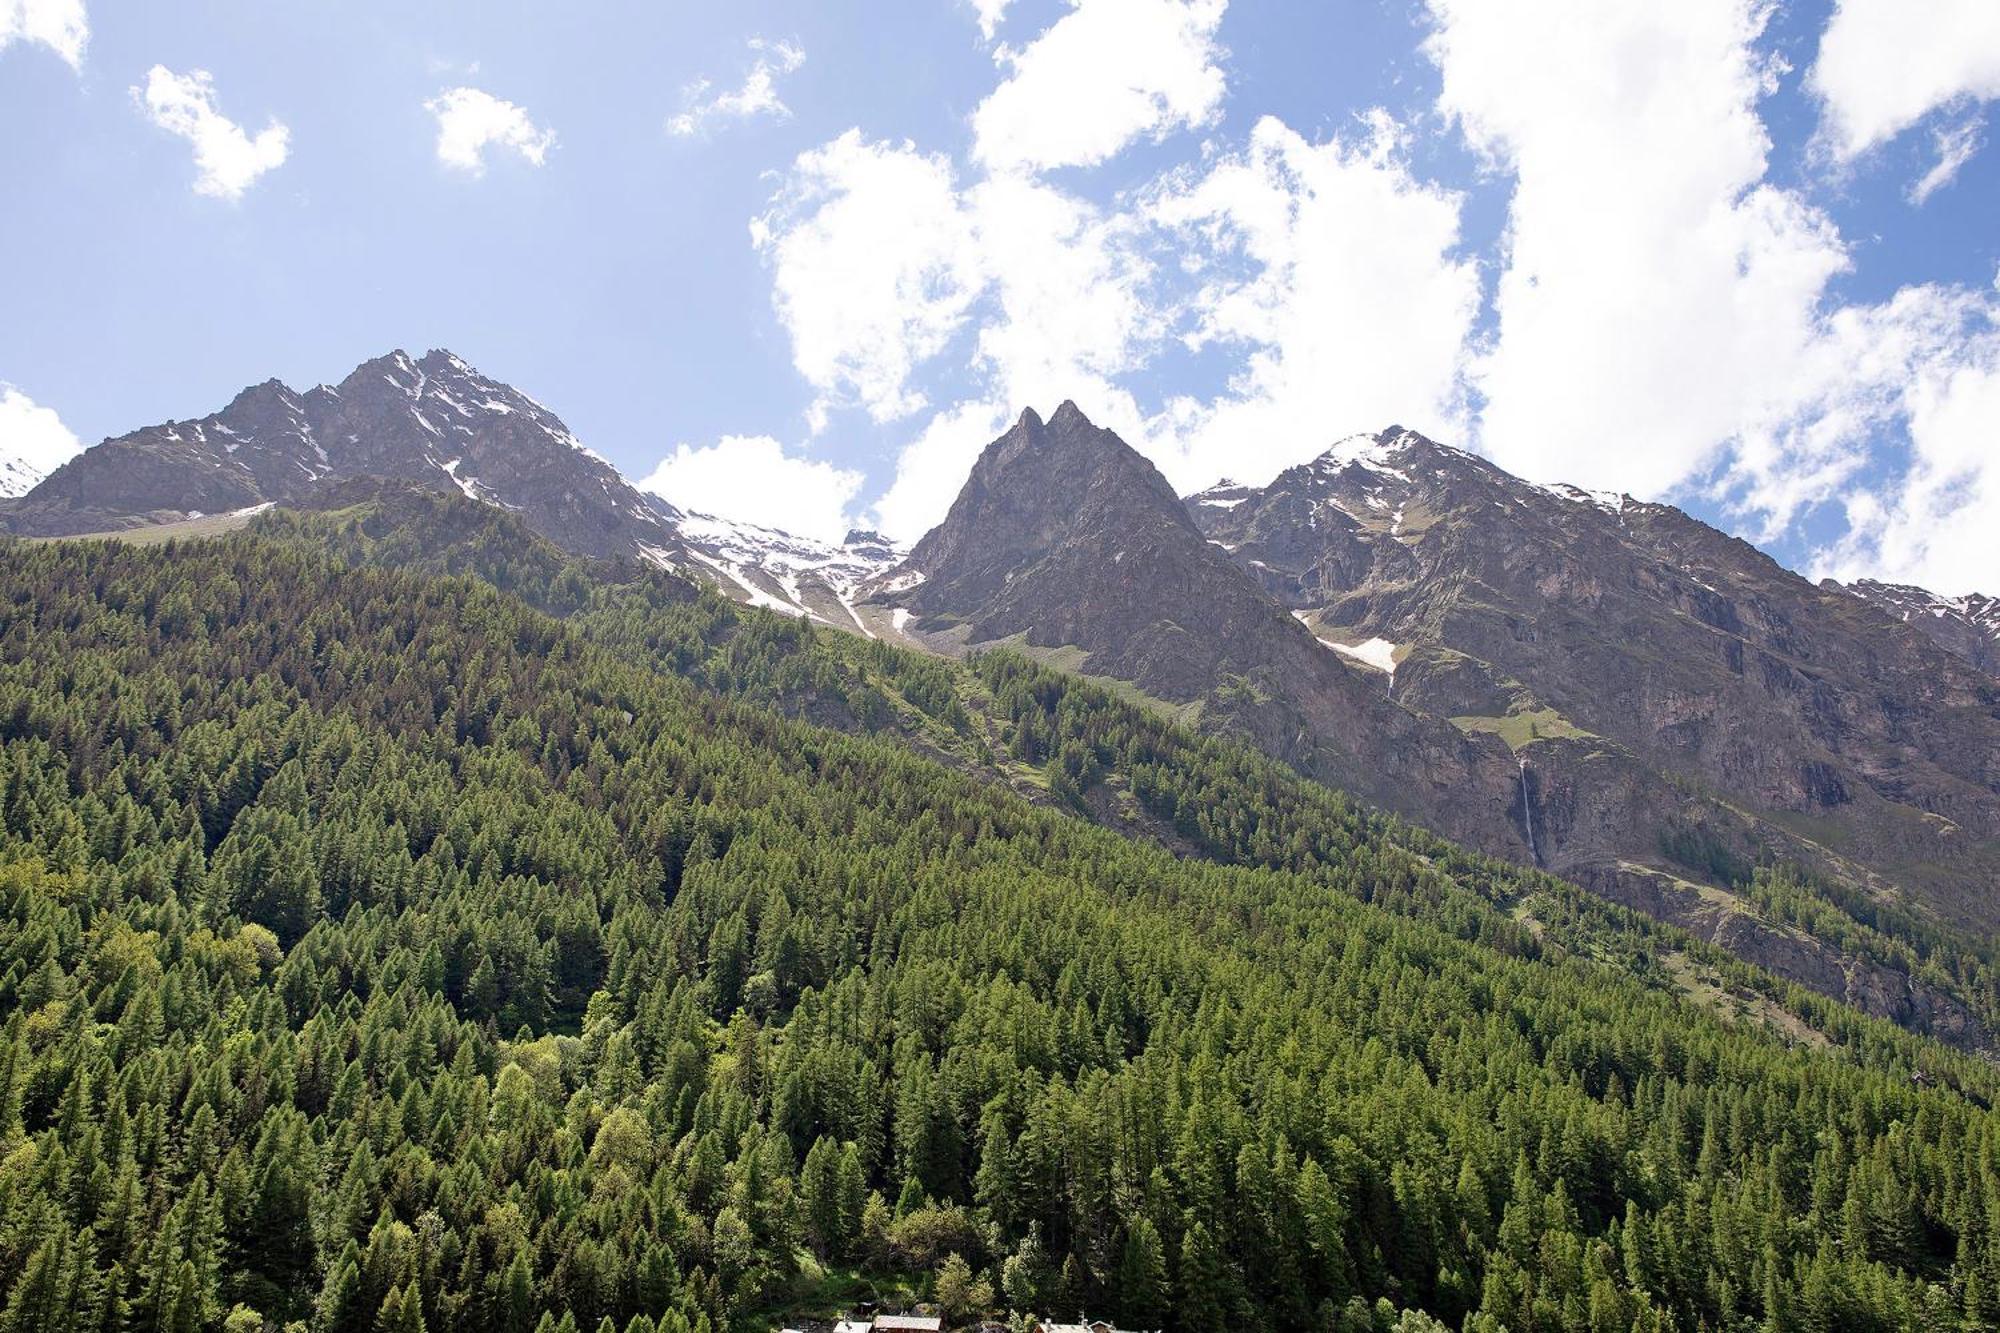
<point x="1599" y="686"/>
<point x="432" y="419"/>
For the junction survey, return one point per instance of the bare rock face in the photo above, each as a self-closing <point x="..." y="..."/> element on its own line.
<point x="434" y="420"/>
<point x="1855" y="731"/>
<point x="1066" y="541"/>
<point x="1967" y="627"/>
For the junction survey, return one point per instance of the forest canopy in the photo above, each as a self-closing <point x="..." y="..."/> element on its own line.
<point x="499" y="945"/>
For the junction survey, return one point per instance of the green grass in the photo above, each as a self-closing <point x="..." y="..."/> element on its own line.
<point x="153" y="534"/>
<point x="1524" y="728"/>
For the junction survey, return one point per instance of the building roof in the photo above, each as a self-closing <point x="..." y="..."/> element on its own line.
<point x="914" y="1323"/>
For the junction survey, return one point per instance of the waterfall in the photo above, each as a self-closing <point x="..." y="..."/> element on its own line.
<point x="1528" y="812"/>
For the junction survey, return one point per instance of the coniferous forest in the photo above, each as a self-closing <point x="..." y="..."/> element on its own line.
<point x="404" y="927"/>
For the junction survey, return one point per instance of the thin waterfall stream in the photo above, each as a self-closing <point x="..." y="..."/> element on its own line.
<point x="1528" y="812"/>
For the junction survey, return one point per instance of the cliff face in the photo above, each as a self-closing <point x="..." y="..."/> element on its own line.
<point x="1813" y="725"/>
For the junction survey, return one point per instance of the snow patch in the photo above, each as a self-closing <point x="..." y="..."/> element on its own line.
<point x="465" y="484"/>
<point x="1377" y="653"/>
<point x="1610" y="502"/>
<point x="752" y="594"/>
<point x="1363" y="451"/>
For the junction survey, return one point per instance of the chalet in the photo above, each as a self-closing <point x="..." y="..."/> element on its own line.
<point x="853" y="1326"/>
<point x="908" y="1323"/>
<point x="1087" y="1326"/>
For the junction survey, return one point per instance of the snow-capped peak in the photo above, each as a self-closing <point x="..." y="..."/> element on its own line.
<point x="1225" y="494"/>
<point x="1611" y="502"/>
<point x="783" y="571"/>
<point x="33" y="442"/>
<point x="1373" y="453"/>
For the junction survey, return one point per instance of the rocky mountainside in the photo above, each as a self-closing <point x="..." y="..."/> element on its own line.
<point x="434" y="420"/>
<point x="437" y="422"/>
<point x="1967" y="626"/>
<point x="1813" y="727"/>
<point x="1069" y="545"/>
<point x="1607" y="689"/>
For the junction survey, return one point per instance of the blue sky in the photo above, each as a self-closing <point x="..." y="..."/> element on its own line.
<point x="799" y="261"/>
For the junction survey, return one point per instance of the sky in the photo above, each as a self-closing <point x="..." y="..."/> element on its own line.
<point x="798" y="261"/>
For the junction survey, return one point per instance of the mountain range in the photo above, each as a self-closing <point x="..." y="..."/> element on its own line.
<point x="1603" y="688"/>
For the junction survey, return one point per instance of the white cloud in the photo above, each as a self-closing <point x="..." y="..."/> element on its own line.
<point x="1956" y="145"/>
<point x="1353" y="311"/>
<point x="227" y="160"/>
<point x="33" y="441"/>
<point x="758" y="95"/>
<point x="60" y="25"/>
<point x="933" y="466"/>
<point x="871" y="270"/>
<point x="1665" y="312"/>
<point x="752" y="478"/>
<point x="881" y="260"/>
<point x="1101" y="76"/>
<point x="470" y="119"/>
<point x="1883" y="65"/>
<point x="1066" y="312"/>
<point x="990" y="13"/>
<point x="1935" y="524"/>
<point x="1658" y="297"/>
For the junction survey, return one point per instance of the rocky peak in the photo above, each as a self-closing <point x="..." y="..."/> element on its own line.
<point x="432" y="420"/>
<point x="1968" y="627"/>
<point x="1035" y="485"/>
<point x="1067" y="541"/>
<point x="1555" y="615"/>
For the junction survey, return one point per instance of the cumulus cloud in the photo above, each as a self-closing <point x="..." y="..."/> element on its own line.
<point x="881" y="257"/>
<point x="1328" y="268"/>
<point x="870" y="253"/>
<point x="1349" y="307"/>
<point x="1935" y="524"/>
<point x="1103" y="75"/>
<point x="757" y="96"/>
<point x="1883" y="65"/>
<point x="1665" y="313"/>
<point x="752" y="478"/>
<point x="470" y="120"/>
<point x="1066" y="311"/>
<point x="61" y="25"/>
<point x="227" y="160"/>
<point x="1657" y="295"/>
<point x="33" y="441"/>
